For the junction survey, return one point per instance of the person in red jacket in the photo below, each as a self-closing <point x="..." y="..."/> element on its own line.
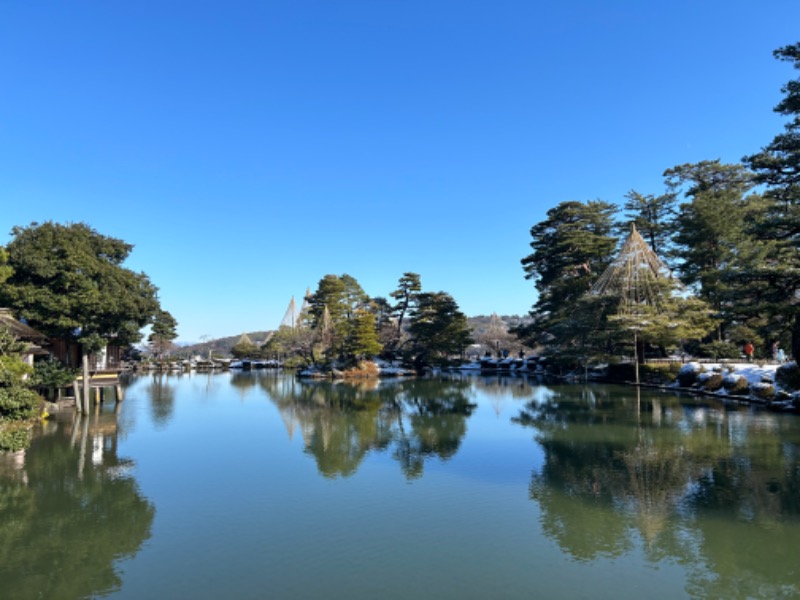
<point x="748" y="351"/>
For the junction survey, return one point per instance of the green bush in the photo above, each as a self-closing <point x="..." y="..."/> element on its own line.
<point x="788" y="376"/>
<point x="18" y="403"/>
<point x="736" y="384"/>
<point x="687" y="376"/>
<point x="763" y="391"/>
<point x="14" y="436"/>
<point x="659" y="373"/>
<point x="51" y="373"/>
<point x="718" y="349"/>
<point x="713" y="382"/>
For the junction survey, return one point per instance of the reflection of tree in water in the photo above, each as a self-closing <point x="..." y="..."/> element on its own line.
<point x="342" y="421"/>
<point x="657" y="479"/>
<point x="162" y="399"/>
<point x="685" y="481"/>
<point x="68" y="510"/>
<point x="436" y="414"/>
<point x="243" y="380"/>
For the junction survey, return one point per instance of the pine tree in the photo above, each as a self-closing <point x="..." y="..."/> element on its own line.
<point x="408" y="287"/>
<point x="710" y="229"/>
<point x="362" y="342"/>
<point x="244" y="347"/>
<point x="643" y="301"/>
<point x="570" y="250"/>
<point x="777" y="166"/>
<point x="652" y="216"/>
<point x="438" y="329"/>
<point x="163" y="332"/>
<point x="336" y="302"/>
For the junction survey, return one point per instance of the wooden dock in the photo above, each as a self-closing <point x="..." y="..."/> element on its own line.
<point x="99" y="381"/>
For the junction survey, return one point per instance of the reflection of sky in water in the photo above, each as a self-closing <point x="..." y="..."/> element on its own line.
<point x="596" y="493"/>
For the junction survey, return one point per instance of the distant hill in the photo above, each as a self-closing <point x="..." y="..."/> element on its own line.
<point x="220" y="346"/>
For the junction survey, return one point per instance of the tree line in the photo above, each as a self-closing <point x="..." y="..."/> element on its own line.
<point x="341" y="324"/>
<point x="730" y="233"/>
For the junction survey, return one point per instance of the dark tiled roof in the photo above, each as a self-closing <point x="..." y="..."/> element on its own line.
<point x="18" y="328"/>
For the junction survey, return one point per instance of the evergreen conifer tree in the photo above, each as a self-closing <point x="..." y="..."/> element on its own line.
<point x="570" y="250"/>
<point x="775" y="272"/>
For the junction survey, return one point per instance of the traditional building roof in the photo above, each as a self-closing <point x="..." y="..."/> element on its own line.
<point x="18" y="328"/>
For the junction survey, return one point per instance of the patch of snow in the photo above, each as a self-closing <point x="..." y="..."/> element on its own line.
<point x="691" y="367"/>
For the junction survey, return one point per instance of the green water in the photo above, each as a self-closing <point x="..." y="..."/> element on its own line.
<point x="255" y="485"/>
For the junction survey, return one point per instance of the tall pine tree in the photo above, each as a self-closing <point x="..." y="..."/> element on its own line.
<point x="710" y="229"/>
<point x="777" y="166"/>
<point x="570" y="250"/>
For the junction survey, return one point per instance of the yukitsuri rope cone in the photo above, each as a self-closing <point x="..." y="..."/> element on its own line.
<point x="634" y="277"/>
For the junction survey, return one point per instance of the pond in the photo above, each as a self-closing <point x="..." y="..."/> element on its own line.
<point x="257" y="485"/>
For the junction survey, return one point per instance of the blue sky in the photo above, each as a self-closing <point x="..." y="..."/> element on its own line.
<point x="248" y="148"/>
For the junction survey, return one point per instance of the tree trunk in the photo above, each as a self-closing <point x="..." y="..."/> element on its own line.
<point x="796" y="338"/>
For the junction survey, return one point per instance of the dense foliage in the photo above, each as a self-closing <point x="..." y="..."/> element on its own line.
<point x="570" y="250"/>
<point x="344" y="326"/>
<point x="164" y="330"/>
<point x="736" y="252"/>
<point x="68" y="281"/>
<point x="18" y="402"/>
<point x="775" y="264"/>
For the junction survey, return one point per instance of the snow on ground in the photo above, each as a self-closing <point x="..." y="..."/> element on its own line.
<point x="752" y="372"/>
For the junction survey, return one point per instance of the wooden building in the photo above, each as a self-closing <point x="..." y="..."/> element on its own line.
<point x="104" y="367"/>
<point x="35" y="340"/>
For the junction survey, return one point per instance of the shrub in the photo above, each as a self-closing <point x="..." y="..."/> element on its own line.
<point x="719" y="349"/>
<point x="364" y="370"/>
<point x="788" y="376"/>
<point x="763" y="391"/>
<point x="51" y="373"/>
<point x="14" y="436"/>
<point x="735" y="384"/>
<point x="18" y="403"/>
<point x="687" y="376"/>
<point x="713" y="382"/>
<point x="659" y="373"/>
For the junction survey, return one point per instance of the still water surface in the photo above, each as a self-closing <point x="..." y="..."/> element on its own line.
<point x="255" y="485"/>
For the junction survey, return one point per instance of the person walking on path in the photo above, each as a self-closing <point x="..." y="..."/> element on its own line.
<point x="748" y="351"/>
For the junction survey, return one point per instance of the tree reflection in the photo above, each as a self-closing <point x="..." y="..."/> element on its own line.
<point x="162" y="399"/>
<point x="341" y="422"/>
<point x="621" y="469"/>
<point x="69" y="509"/>
<point x="243" y="380"/>
<point x="430" y="423"/>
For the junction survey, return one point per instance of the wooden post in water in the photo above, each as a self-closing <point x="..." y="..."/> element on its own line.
<point x="76" y="390"/>
<point x="85" y="383"/>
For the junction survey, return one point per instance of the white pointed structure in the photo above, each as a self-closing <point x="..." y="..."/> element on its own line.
<point x="293" y="317"/>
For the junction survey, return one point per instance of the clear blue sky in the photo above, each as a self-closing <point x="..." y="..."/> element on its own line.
<point x="248" y="148"/>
